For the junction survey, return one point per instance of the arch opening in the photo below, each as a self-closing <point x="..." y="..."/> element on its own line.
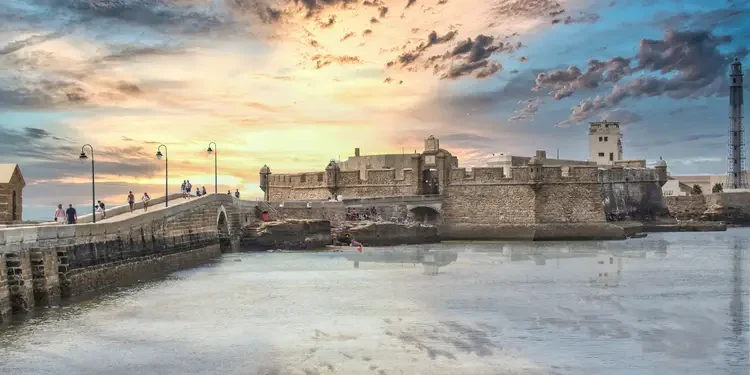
<point x="426" y="215"/>
<point x="222" y="227"/>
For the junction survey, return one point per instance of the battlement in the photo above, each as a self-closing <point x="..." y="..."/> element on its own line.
<point x="341" y="178"/>
<point x="604" y="127"/>
<point x="552" y="175"/>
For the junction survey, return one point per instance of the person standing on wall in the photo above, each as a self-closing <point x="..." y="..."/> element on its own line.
<point x="60" y="214"/>
<point x="145" y="199"/>
<point x="188" y="188"/>
<point x="237" y="193"/>
<point x="71" y="214"/>
<point x="182" y="189"/>
<point x="131" y="201"/>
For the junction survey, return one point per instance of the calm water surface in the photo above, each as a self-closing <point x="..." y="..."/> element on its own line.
<point x="667" y="304"/>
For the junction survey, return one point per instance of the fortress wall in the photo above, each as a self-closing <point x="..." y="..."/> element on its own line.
<point x="488" y="204"/>
<point x="315" y="186"/>
<point x="288" y="193"/>
<point x="686" y="207"/>
<point x="569" y="203"/>
<point x="632" y="194"/>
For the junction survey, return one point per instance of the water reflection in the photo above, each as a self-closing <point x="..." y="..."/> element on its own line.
<point x="431" y="260"/>
<point x="739" y="351"/>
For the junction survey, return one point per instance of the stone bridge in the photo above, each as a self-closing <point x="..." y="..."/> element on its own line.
<point x="41" y="263"/>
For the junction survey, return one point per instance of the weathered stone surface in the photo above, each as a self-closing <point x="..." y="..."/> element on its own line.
<point x="287" y="235"/>
<point x="43" y="262"/>
<point x="533" y="231"/>
<point x="387" y="234"/>
<point x="730" y="207"/>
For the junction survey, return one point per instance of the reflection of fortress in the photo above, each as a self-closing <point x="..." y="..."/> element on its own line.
<point x="431" y="260"/>
<point x="544" y="196"/>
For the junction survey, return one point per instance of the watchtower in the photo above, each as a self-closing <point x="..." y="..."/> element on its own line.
<point x="605" y="142"/>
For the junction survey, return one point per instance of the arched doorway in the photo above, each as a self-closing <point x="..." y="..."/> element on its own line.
<point x="427" y="215"/>
<point x="14" y="209"/>
<point x="430" y="182"/>
<point x="222" y="228"/>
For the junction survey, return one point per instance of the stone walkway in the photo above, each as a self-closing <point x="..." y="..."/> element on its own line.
<point x="140" y="211"/>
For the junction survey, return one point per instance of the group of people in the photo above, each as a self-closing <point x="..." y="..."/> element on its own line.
<point x="187" y="188"/>
<point x="236" y="193"/>
<point x="367" y="214"/>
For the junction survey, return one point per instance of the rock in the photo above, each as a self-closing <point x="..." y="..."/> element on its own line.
<point x="387" y="233"/>
<point x="287" y="235"/>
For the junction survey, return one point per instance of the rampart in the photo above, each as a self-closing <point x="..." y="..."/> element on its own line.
<point x="486" y="199"/>
<point x="41" y="264"/>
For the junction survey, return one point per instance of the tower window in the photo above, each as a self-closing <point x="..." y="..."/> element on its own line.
<point x="611" y="156"/>
<point x="600" y="139"/>
<point x="606" y="139"/>
<point x="601" y="154"/>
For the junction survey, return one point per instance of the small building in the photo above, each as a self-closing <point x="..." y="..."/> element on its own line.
<point x="508" y="161"/>
<point x="11" y="194"/>
<point x="605" y="142"/>
<point x="675" y="187"/>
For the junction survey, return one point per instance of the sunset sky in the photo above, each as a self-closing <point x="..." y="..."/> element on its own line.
<point x="294" y="83"/>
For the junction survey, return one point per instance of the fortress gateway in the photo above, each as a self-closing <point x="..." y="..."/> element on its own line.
<point x="530" y="198"/>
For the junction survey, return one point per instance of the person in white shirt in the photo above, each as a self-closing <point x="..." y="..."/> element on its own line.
<point x="145" y="199"/>
<point x="60" y="215"/>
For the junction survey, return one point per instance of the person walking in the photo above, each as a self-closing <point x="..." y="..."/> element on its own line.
<point x="237" y="193"/>
<point x="71" y="214"/>
<point x="131" y="201"/>
<point x="188" y="188"/>
<point x="60" y="215"/>
<point x="145" y="199"/>
<point x="183" y="188"/>
<point x="101" y="207"/>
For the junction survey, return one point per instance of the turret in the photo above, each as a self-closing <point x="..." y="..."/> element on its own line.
<point x="661" y="170"/>
<point x="332" y="176"/>
<point x="535" y="170"/>
<point x="264" y="182"/>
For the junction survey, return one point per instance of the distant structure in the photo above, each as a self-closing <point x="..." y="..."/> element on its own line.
<point x="736" y="179"/>
<point x="11" y="194"/>
<point x="605" y="142"/>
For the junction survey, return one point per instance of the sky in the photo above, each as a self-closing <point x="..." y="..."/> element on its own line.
<point x="295" y="83"/>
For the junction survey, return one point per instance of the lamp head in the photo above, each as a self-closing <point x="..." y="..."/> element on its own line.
<point x="82" y="157"/>
<point x="158" y="155"/>
<point x="210" y="150"/>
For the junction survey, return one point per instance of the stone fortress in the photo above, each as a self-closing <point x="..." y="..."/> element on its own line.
<point x="515" y="197"/>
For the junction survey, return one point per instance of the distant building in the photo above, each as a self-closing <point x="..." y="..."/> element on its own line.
<point x="508" y="161"/>
<point x="675" y="187"/>
<point x="11" y="194"/>
<point x="362" y="163"/>
<point x="605" y="142"/>
<point x="706" y="182"/>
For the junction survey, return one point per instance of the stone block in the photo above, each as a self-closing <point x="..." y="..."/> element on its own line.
<point x="45" y="268"/>
<point x="20" y="281"/>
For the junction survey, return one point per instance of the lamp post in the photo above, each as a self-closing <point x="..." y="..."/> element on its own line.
<point x="83" y="158"/>
<point x="166" y="171"/>
<point x="216" y="168"/>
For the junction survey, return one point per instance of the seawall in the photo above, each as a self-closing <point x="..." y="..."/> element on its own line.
<point x="39" y="265"/>
<point x="730" y="207"/>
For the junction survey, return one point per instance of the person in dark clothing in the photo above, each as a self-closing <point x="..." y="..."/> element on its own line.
<point x="104" y="213"/>
<point x="71" y="214"/>
<point x="237" y="193"/>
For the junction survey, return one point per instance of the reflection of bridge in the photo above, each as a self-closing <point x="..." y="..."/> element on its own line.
<point x="431" y="260"/>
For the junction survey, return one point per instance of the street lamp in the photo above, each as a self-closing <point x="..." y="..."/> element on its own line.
<point x="166" y="172"/>
<point x="83" y="158"/>
<point x="216" y="168"/>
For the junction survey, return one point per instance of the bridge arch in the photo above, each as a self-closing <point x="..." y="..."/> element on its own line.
<point x="425" y="214"/>
<point x="223" y="230"/>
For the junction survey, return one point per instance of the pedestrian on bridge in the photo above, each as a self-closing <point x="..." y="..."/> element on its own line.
<point x="60" y="214"/>
<point x="131" y="201"/>
<point x="237" y="193"/>
<point x="145" y="199"/>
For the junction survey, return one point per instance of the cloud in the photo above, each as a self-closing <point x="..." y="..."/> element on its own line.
<point x="582" y="17"/>
<point x="409" y="3"/>
<point x="528" y="111"/>
<point x="702" y="20"/>
<point x="465" y="57"/>
<point x="623" y="116"/>
<point x="690" y="63"/>
<point x="325" y="60"/>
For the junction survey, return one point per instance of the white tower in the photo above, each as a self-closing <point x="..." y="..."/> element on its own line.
<point x="736" y="177"/>
<point x="605" y="142"/>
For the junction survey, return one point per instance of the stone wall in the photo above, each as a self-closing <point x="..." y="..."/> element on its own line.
<point x="323" y="185"/>
<point x="6" y="202"/>
<point x="46" y="261"/>
<point x="287" y="235"/>
<point x="632" y="194"/>
<point x="686" y="207"/>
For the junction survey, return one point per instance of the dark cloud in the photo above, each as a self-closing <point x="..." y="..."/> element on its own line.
<point x="36" y="133"/>
<point x="329" y="23"/>
<point x="409" y="3"/>
<point x="523" y="59"/>
<point x="128" y="88"/>
<point x="382" y="11"/>
<point x="366" y="32"/>
<point x="374" y="20"/>
<point x="582" y="17"/>
<point x="33" y="40"/>
<point x="313" y="7"/>
<point x="690" y="63"/>
<point x="347" y="36"/>
<point x="701" y="20"/>
<point x="466" y="57"/>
